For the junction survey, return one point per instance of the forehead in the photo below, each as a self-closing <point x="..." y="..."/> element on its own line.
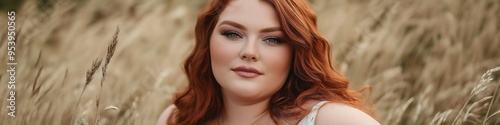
<point x="250" y="13"/>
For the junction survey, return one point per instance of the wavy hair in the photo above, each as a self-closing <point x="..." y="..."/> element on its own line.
<point x="312" y="75"/>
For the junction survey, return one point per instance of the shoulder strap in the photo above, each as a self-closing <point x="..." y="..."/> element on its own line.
<point x="311" y="117"/>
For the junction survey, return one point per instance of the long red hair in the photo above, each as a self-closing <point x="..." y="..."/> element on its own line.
<point x="312" y="75"/>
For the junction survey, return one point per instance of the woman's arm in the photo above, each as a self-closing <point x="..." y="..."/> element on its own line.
<point x="343" y="115"/>
<point x="164" y="116"/>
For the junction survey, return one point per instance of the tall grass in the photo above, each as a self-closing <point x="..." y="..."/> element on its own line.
<point x="424" y="59"/>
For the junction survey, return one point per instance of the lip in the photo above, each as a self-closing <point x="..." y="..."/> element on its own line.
<point x="247" y="72"/>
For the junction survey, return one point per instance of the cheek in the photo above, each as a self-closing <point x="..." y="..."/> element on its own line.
<point x="279" y="62"/>
<point x="221" y="54"/>
<point x="217" y="53"/>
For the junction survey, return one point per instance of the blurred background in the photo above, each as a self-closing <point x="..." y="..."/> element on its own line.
<point x="424" y="59"/>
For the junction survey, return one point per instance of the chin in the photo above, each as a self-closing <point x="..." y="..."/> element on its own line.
<point x="247" y="90"/>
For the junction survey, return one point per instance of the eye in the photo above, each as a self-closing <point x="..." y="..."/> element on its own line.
<point x="273" y="40"/>
<point x="231" y="34"/>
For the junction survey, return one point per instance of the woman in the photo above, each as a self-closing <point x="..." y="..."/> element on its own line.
<point x="262" y="62"/>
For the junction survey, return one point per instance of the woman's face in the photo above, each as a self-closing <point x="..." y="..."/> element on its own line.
<point x="249" y="58"/>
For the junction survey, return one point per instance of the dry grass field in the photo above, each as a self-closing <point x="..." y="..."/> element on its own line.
<point x="424" y="59"/>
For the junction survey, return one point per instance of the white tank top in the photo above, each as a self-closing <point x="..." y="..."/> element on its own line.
<point x="311" y="117"/>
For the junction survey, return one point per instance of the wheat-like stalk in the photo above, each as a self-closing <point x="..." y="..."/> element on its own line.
<point x="485" y="79"/>
<point x="440" y="117"/>
<point x="90" y="75"/>
<point x="469" y="111"/>
<point x="109" y="55"/>
<point x="403" y="108"/>
<point x="495" y="94"/>
<point x="488" y="117"/>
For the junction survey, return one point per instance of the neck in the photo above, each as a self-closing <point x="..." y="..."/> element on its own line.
<point x="241" y="111"/>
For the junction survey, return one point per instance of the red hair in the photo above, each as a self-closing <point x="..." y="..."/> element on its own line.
<point x="311" y="77"/>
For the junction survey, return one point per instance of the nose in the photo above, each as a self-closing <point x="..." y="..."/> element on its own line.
<point x="250" y="51"/>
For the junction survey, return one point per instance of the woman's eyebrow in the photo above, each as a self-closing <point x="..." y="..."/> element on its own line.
<point x="237" y="25"/>
<point x="270" y="29"/>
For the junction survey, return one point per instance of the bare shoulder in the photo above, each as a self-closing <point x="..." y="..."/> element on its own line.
<point x="343" y="115"/>
<point x="162" y="120"/>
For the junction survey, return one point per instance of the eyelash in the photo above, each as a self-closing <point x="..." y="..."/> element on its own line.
<point x="229" y="33"/>
<point x="278" y="40"/>
<point x="235" y="34"/>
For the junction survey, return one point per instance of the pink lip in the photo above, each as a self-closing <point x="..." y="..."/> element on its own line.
<point x="247" y="72"/>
